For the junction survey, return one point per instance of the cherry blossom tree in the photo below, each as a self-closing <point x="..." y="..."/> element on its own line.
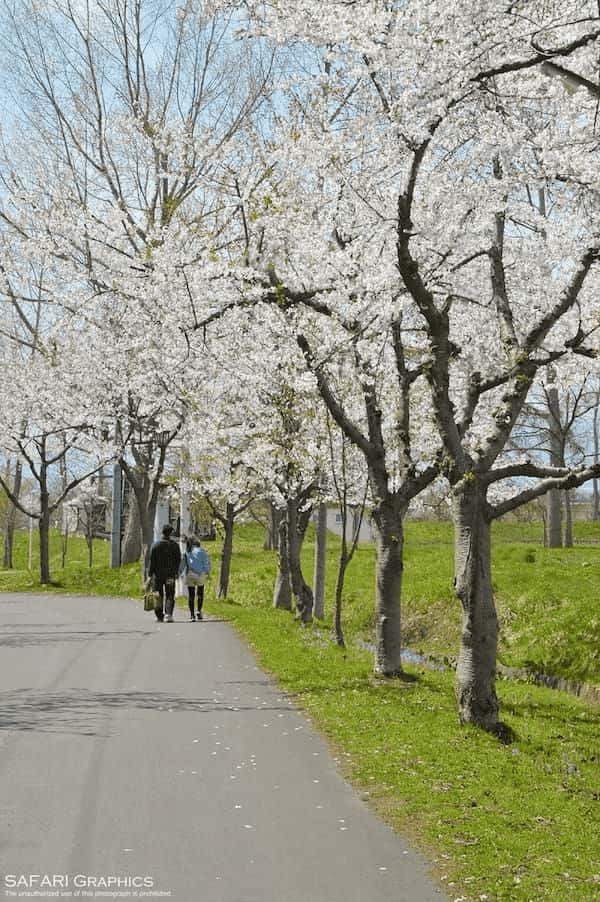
<point x="134" y="115"/>
<point x="131" y="112"/>
<point x="422" y="134"/>
<point x="219" y="477"/>
<point x="45" y="402"/>
<point x="382" y="212"/>
<point x="44" y="424"/>
<point x="255" y="432"/>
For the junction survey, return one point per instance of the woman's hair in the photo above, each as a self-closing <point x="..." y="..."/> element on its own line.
<point x="192" y="540"/>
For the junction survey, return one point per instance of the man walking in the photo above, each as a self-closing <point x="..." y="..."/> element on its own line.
<point x="164" y="567"/>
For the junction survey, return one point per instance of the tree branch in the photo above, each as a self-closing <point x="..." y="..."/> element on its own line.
<point x="333" y="405"/>
<point x="574" y="479"/>
<point x="541" y="56"/>
<point x="526" y="468"/>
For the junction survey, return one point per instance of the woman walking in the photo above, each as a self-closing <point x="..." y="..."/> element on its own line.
<point x="195" y="567"/>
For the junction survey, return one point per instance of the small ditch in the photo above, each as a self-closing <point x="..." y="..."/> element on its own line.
<point x="584" y="691"/>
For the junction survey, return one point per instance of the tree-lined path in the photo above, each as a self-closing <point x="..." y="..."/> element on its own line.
<point x="132" y="749"/>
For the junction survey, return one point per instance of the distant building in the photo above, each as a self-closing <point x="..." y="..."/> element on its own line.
<point x="334" y="524"/>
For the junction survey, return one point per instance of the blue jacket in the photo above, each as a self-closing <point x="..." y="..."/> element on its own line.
<point x="196" y="560"/>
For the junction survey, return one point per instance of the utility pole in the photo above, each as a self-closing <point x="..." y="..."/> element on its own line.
<point x="320" y="561"/>
<point x="117" y="500"/>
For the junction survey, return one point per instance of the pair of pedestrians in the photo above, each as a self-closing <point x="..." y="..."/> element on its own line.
<point x="167" y="563"/>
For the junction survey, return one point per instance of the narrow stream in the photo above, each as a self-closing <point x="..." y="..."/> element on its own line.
<point x="585" y="691"/>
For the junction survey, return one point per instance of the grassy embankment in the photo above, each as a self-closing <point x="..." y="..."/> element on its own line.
<point x="515" y="822"/>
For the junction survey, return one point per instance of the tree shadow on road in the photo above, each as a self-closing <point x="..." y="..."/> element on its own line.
<point x="91" y="713"/>
<point x="20" y="639"/>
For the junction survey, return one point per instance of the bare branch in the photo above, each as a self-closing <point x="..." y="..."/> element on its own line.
<point x="574" y="479"/>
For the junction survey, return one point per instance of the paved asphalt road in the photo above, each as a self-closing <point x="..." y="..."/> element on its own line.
<point x="160" y="752"/>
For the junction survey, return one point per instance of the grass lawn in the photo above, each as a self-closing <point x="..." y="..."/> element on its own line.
<point x="501" y="822"/>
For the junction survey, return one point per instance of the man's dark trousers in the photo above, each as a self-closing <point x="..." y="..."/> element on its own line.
<point x="165" y="586"/>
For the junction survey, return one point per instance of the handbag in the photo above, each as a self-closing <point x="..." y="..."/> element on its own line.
<point x="151" y="600"/>
<point x="151" y="597"/>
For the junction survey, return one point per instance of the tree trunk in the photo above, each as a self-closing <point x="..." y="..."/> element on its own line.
<point x="297" y="523"/>
<point x="338" y="630"/>
<point x="553" y="499"/>
<point x="145" y="501"/>
<point x="553" y="519"/>
<point x="282" y="593"/>
<point x="89" y="534"/>
<point x="145" y="487"/>
<point x="345" y="556"/>
<point x="357" y="520"/>
<point x="476" y="668"/>
<point x="595" y="513"/>
<point x="132" y="538"/>
<point x="388" y="519"/>
<point x="272" y="536"/>
<point x="595" y="485"/>
<point x="64" y="542"/>
<point x="568" y="520"/>
<point x="11" y="517"/>
<point x="320" y="562"/>
<point x="228" y="522"/>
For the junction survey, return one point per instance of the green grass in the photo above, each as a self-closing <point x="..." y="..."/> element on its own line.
<point x="502" y="822"/>
<point x="77" y="576"/>
<point x="546" y="599"/>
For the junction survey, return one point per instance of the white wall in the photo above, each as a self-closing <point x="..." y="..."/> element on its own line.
<point x="334" y="524"/>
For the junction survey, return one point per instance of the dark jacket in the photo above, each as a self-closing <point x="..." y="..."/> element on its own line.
<point x="164" y="559"/>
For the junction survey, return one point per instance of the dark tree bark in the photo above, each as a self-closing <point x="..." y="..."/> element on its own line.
<point x="227" y="522"/>
<point x="596" y="438"/>
<point x="338" y="628"/>
<point x="297" y="522"/>
<point x="132" y="538"/>
<point x="476" y="668"/>
<point x="389" y="506"/>
<point x="553" y="520"/>
<point x="388" y="516"/>
<point x="282" y="593"/>
<point x="272" y="536"/>
<point x="226" y="518"/>
<point x="345" y="556"/>
<point x="341" y="483"/>
<point x="145" y="497"/>
<point x="11" y="517"/>
<point x="568" y="521"/>
<point x="145" y="476"/>
<point x="553" y="499"/>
